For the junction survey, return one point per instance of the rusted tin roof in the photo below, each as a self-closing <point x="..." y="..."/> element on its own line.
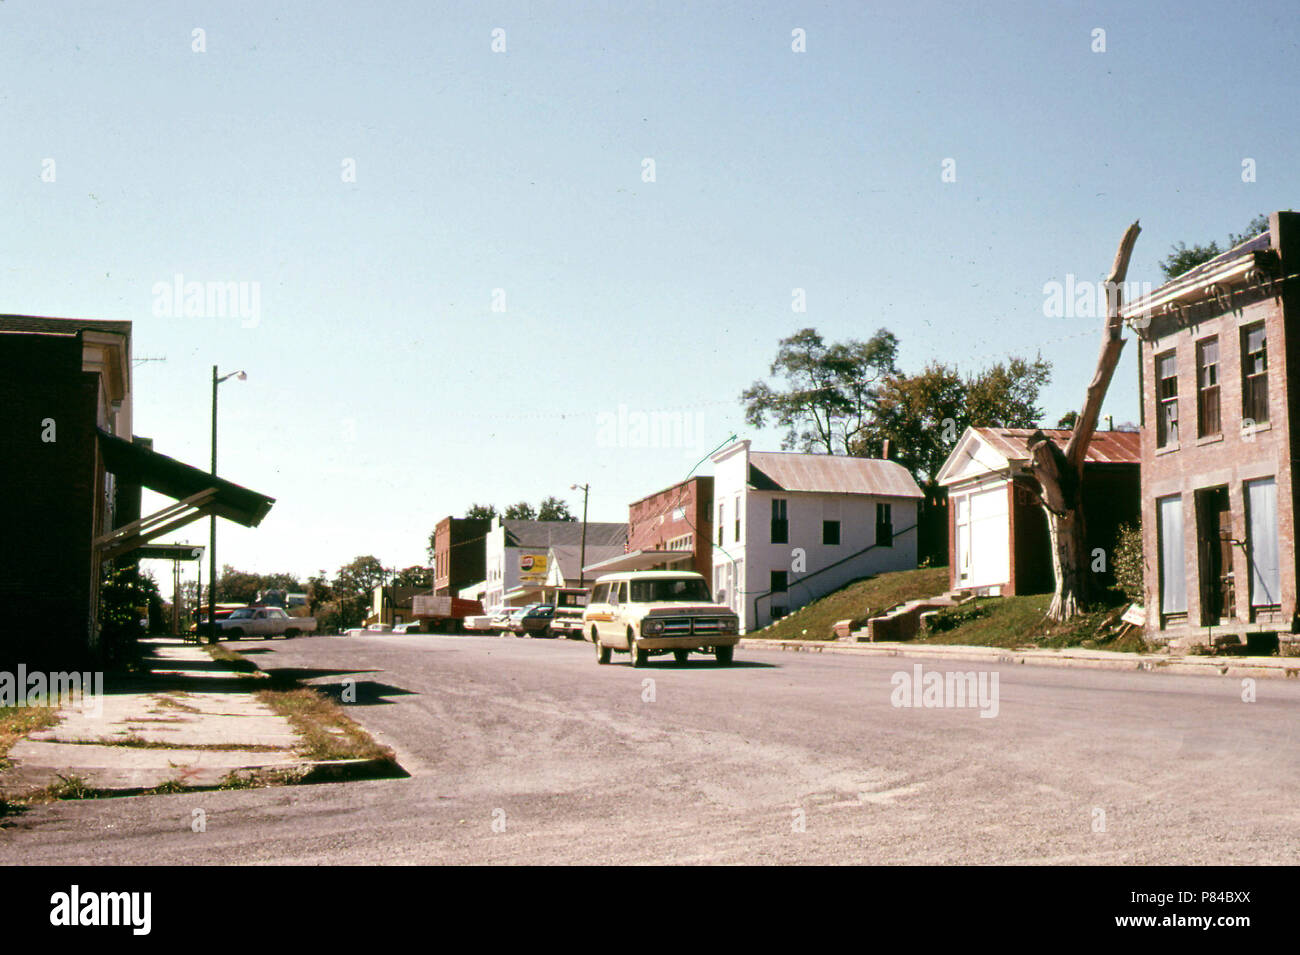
<point x="831" y="474"/>
<point x="1106" y="447"/>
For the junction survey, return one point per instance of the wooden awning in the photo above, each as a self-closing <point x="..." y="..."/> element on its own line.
<point x="197" y="495"/>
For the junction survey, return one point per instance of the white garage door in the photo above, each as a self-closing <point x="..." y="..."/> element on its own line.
<point x="983" y="538"/>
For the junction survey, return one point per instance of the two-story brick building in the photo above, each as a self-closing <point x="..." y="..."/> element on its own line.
<point x="1220" y="346"/>
<point x="460" y="554"/>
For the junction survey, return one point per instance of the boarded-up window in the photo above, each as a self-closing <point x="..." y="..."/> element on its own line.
<point x="1166" y="400"/>
<point x="1207" y="387"/>
<point x="1265" y="569"/>
<point x="1173" y="573"/>
<point x="1254" y="374"/>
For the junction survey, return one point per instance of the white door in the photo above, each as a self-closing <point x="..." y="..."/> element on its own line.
<point x="983" y="538"/>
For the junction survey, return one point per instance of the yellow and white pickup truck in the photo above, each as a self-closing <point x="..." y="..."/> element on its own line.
<point x="646" y="612"/>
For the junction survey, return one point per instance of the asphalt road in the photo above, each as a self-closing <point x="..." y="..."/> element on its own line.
<point x="527" y="751"/>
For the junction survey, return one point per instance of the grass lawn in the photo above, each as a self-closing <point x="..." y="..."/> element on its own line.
<point x="1020" y="622"/>
<point x="988" y="622"/>
<point x="859" y="599"/>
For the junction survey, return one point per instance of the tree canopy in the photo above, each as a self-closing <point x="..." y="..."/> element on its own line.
<point x="923" y="415"/>
<point x="1183" y="257"/>
<point x="828" y="396"/>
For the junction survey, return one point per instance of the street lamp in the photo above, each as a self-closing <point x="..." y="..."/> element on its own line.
<point x="212" y="528"/>
<point x="582" y="558"/>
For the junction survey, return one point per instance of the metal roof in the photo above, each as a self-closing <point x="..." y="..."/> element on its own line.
<point x="636" y="560"/>
<point x="542" y="534"/>
<point x="829" y="474"/>
<point x="1106" y="447"/>
<point x="567" y="556"/>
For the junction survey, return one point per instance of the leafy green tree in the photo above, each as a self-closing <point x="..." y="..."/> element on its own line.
<point x="353" y="585"/>
<point x="553" y="509"/>
<point x="523" y="511"/>
<point x="829" y="392"/>
<point x="1183" y="258"/>
<point x="1067" y="420"/>
<point x="923" y="415"/>
<point x="237" y="586"/>
<point x="413" y="576"/>
<point x="481" y="512"/>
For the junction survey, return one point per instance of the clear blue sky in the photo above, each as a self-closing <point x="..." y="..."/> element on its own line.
<point x="385" y="393"/>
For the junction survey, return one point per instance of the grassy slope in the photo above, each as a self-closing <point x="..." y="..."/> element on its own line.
<point x="1009" y="622"/>
<point x="1021" y="622"/>
<point x="874" y="594"/>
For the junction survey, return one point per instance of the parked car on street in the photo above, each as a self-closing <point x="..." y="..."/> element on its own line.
<point x="536" y="620"/>
<point x="374" y="628"/>
<point x="657" y="611"/>
<point x="264" y="622"/>
<point x="569" y="603"/>
<point x="501" y="619"/>
<point x="514" y="622"/>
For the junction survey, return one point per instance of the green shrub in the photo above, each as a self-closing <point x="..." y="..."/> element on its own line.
<point x="1127" y="562"/>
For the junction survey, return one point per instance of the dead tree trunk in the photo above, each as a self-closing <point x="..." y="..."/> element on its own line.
<point x="1059" y="473"/>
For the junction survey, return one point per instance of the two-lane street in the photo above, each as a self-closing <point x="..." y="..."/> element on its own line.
<point x="527" y="751"/>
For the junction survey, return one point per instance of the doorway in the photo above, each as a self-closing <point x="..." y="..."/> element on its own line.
<point x="1214" y="544"/>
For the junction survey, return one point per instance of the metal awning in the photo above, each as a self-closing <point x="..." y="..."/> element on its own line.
<point x="636" y="560"/>
<point x="197" y="494"/>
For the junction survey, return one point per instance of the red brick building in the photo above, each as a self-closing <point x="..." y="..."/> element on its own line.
<point x="1220" y="345"/>
<point x="459" y="554"/>
<point x="678" y="519"/>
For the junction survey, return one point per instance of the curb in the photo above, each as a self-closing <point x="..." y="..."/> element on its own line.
<point x="1255" y="667"/>
<point x="352" y="770"/>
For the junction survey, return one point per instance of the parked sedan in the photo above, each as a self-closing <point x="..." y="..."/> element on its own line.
<point x="536" y="620"/>
<point x="501" y="620"/>
<point x="515" y="623"/>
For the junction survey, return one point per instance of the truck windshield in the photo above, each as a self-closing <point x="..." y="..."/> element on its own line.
<point x="663" y="591"/>
<point x="241" y="615"/>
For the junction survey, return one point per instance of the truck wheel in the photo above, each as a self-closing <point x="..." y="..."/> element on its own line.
<point x="602" y="653"/>
<point x="681" y="656"/>
<point x="724" y="655"/>
<point x="290" y="634"/>
<point x="235" y="634"/>
<point x="639" y="656"/>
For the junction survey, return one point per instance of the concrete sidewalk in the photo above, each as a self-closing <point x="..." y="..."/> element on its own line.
<point x="1230" y="666"/>
<point x="190" y="721"/>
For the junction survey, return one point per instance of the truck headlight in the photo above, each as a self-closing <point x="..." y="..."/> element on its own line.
<point x="652" y="626"/>
<point x="728" y="624"/>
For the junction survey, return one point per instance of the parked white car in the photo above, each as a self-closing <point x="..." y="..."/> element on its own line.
<point x="264" y="622"/>
<point x="370" y="630"/>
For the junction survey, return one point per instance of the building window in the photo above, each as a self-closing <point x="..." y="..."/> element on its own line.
<point x="1166" y="400"/>
<point x="779" y="581"/>
<point x="1254" y="374"/>
<point x="1173" y="572"/>
<point x="722" y="526"/>
<point x="737" y="509"/>
<point x="885" y="525"/>
<point x="780" y="523"/>
<point x="831" y="533"/>
<point x="1207" y="388"/>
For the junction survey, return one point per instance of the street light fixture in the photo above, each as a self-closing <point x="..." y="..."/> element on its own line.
<point x="212" y="528"/>
<point x="582" y="558"/>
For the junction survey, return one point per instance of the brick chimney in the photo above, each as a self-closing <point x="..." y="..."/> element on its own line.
<point x="886" y="449"/>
